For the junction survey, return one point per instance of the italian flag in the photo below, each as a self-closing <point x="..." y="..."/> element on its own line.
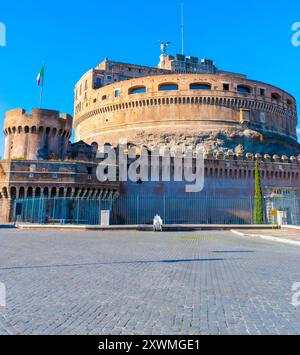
<point x="40" y="77"/>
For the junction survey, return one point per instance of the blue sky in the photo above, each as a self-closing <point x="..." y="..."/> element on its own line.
<point x="71" y="37"/>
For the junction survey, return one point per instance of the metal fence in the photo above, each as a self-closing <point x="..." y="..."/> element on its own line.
<point x="182" y="210"/>
<point x="60" y="210"/>
<point x="133" y="210"/>
<point x="140" y="209"/>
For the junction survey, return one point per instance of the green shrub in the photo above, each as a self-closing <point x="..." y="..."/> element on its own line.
<point x="258" y="198"/>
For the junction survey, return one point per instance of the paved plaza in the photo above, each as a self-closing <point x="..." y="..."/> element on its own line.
<point x="212" y="282"/>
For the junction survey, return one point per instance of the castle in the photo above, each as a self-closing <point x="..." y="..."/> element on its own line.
<point x="40" y="161"/>
<point x="182" y="102"/>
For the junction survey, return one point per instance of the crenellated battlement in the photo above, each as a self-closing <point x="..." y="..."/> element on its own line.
<point x="37" y="135"/>
<point x="19" y="118"/>
<point x="239" y="156"/>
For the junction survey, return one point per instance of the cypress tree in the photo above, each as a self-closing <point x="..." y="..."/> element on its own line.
<point x="258" y="198"/>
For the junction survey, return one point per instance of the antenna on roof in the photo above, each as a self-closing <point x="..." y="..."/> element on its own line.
<point x="182" y="27"/>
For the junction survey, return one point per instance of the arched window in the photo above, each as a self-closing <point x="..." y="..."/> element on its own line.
<point x="275" y="96"/>
<point x="168" y="87"/>
<point x="38" y="192"/>
<point x="45" y="192"/>
<point x="289" y="102"/>
<point x="22" y="192"/>
<point x="61" y="192"/>
<point x="200" y="86"/>
<point x="243" y="89"/>
<point x="13" y="192"/>
<point x="53" y="192"/>
<point x="69" y="192"/>
<point x="137" y="90"/>
<point x="30" y="192"/>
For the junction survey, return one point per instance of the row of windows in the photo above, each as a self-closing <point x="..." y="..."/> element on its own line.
<point x="243" y="89"/>
<point x="23" y="192"/>
<point x="35" y="130"/>
<point x="174" y="87"/>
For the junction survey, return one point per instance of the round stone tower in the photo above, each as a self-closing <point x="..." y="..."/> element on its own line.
<point x="43" y="134"/>
<point x="220" y="111"/>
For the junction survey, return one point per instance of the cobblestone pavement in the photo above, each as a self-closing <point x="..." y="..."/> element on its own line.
<point x="144" y="283"/>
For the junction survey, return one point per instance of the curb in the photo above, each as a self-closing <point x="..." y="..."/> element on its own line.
<point x="290" y="227"/>
<point x="266" y="237"/>
<point x="178" y="227"/>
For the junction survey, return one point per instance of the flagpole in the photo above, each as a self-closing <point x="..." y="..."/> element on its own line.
<point x="41" y="96"/>
<point x="42" y="87"/>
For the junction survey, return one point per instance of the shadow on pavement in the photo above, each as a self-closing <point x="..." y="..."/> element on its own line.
<point x="112" y="263"/>
<point x="233" y="251"/>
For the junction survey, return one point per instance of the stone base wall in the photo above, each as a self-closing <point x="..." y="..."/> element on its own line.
<point x="6" y="210"/>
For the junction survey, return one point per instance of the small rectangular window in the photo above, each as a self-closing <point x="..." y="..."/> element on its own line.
<point x="262" y="92"/>
<point x="89" y="170"/>
<point x="98" y="83"/>
<point x="117" y="93"/>
<point x="226" y="87"/>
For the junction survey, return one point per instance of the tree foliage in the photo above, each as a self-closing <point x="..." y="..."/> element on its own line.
<point x="258" y="198"/>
